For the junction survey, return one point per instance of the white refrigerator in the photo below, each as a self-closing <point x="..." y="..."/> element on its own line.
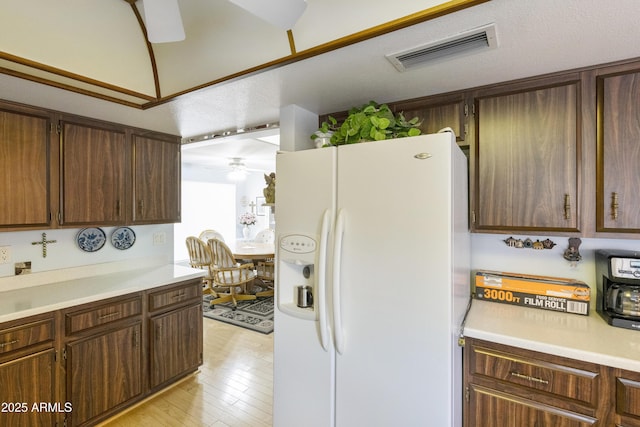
<point x="378" y="231"/>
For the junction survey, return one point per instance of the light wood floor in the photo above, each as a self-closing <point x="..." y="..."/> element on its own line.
<point x="233" y="387"/>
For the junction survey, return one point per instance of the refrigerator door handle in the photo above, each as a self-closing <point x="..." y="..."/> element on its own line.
<point x="337" y="262"/>
<point x="322" y="280"/>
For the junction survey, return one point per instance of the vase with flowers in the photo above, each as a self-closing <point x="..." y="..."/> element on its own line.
<point x="247" y="219"/>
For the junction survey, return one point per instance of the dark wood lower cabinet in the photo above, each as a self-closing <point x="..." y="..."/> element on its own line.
<point x="103" y="372"/>
<point x="508" y="386"/>
<point x="173" y="337"/>
<point x="81" y="365"/>
<point x="27" y="391"/>
<point x="627" y="389"/>
<point x="491" y="408"/>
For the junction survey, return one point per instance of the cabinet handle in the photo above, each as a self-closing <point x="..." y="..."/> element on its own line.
<point x="106" y="316"/>
<point x="117" y="208"/>
<point x="614" y="206"/>
<point x="180" y="295"/>
<point x="529" y="378"/>
<point x="4" y="344"/>
<point x="567" y="206"/>
<point x="135" y="339"/>
<point x="141" y="207"/>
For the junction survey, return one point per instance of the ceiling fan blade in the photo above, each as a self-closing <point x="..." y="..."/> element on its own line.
<point x="281" y="13"/>
<point x="163" y="21"/>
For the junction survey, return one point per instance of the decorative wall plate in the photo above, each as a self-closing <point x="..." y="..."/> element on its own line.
<point x="123" y="238"/>
<point x="91" y="239"/>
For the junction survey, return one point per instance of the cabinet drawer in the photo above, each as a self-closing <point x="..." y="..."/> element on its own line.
<point x="549" y="376"/>
<point x="26" y="335"/>
<point x="103" y="314"/>
<point x="628" y="397"/>
<point x="175" y="295"/>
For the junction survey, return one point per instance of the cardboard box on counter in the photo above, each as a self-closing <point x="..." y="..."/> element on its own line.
<point x="549" y="293"/>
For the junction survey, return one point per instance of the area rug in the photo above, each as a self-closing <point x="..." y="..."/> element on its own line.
<point x="256" y="315"/>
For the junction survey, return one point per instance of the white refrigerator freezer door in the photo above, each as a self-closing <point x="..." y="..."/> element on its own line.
<point x="304" y="371"/>
<point x="396" y="293"/>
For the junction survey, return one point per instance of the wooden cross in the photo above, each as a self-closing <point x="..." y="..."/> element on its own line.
<point x="44" y="242"/>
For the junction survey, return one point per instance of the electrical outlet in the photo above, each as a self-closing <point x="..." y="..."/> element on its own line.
<point x="159" y="238"/>
<point x="5" y="254"/>
<point x="23" y="267"/>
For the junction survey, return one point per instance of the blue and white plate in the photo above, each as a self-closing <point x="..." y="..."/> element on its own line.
<point x="123" y="238"/>
<point x="91" y="239"/>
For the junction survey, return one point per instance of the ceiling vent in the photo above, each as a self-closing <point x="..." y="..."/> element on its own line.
<point x="461" y="44"/>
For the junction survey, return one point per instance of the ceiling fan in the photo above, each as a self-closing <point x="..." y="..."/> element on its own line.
<point x="238" y="170"/>
<point x="164" y="22"/>
<point x="281" y="13"/>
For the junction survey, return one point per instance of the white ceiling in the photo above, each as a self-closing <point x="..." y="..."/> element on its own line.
<point x="534" y="37"/>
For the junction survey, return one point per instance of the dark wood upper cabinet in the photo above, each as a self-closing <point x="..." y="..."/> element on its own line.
<point x="438" y="112"/>
<point x="156" y="179"/>
<point x="25" y="151"/>
<point x="62" y="170"/>
<point x="527" y="153"/>
<point x="618" y="152"/>
<point x="94" y="171"/>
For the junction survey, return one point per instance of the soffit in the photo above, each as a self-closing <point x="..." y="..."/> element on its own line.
<point x="98" y="48"/>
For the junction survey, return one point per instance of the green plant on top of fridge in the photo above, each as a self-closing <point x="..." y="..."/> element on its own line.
<point x="370" y="122"/>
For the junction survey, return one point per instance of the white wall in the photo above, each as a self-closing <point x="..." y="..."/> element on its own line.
<point x="225" y="201"/>
<point x="489" y="252"/>
<point x="205" y="206"/>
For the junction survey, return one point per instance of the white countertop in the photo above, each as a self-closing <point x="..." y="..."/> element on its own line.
<point x="32" y="300"/>
<point x="587" y="338"/>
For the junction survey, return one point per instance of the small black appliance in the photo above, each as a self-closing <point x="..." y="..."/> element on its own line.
<point x="618" y="287"/>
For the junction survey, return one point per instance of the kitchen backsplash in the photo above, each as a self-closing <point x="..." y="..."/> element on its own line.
<point x="152" y="241"/>
<point x="489" y="252"/>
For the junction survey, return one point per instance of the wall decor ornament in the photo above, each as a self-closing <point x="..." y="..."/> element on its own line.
<point x="572" y="253"/>
<point x="529" y="244"/>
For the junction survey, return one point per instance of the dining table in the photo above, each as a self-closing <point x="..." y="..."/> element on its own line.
<point x="248" y="250"/>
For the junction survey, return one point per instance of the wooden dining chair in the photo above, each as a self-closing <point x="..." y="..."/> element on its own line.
<point x="265" y="272"/>
<point x="265" y="236"/>
<point x="229" y="274"/>
<point x="200" y="257"/>
<point x="210" y="234"/>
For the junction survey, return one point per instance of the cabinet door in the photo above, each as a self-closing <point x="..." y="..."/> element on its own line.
<point x="618" y="156"/>
<point x="175" y="344"/>
<point x="492" y="408"/>
<point x="26" y="382"/>
<point x="103" y="372"/>
<point x="93" y="174"/>
<point x="24" y="169"/>
<point x="156" y="180"/>
<point x="527" y="153"/>
<point x="437" y="113"/>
